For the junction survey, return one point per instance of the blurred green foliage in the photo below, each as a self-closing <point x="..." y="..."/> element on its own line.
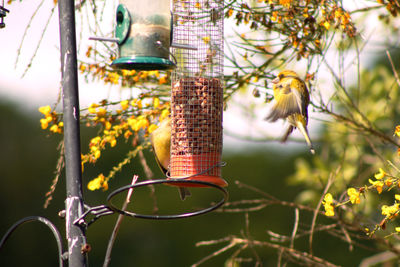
<point x="27" y="177"/>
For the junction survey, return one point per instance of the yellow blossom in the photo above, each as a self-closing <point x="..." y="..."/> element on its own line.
<point x="397" y="131"/>
<point x="95" y="140"/>
<point x="139" y="104"/>
<point x="328" y="205"/>
<point x="329" y="211"/>
<point x="107" y="125"/>
<point x="82" y="68"/>
<point x="101" y="112"/>
<point x="354" y="195"/>
<point x="274" y="16"/>
<point x="44" y="123"/>
<point x="144" y="74"/>
<point x="124" y="104"/>
<point x="54" y="128"/>
<point x="326" y="25"/>
<point x="197" y="5"/>
<point x="206" y="39"/>
<point x="45" y="110"/>
<point x="397" y="229"/>
<point x="230" y="12"/>
<point x="92" y="108"/>
<point x="390" y="211"/>
<point x="285" y="3"/>
<point x="156" y="102"/>
<point x="377" y="184"/>
<point x="97" y="183"/>
<point x="380" y="175"/>
<point x="97" y="154"/>
<point x="127" y="134"/>
<point x="113" y="142"/>
<point x="113" y="77"/>
<point x="163" y="79"/>
<point x="397" y="197"/>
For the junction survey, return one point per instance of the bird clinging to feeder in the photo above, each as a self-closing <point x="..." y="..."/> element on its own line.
<point x="291" y="103"/>
<point x="161" y="143"/>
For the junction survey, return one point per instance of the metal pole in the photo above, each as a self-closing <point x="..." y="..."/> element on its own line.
<point x="74" y="202"/>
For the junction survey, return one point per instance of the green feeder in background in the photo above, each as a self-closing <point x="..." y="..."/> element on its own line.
<point x="143" y="34"/>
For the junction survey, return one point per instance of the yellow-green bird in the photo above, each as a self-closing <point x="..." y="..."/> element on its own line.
<point x="291" y="103"/>
<point x="160" y="140"/>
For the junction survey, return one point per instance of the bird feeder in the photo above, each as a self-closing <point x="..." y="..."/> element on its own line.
<point x="197" y="92"/>
<point x="143" y="33"/>
<point x="3" y="13"/>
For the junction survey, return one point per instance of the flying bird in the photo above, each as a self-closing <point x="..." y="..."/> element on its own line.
<point x="291" y="103"/>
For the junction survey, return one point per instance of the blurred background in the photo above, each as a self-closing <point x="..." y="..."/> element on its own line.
<point x="28" y="160"/>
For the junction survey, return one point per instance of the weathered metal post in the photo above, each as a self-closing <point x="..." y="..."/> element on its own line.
<point x="74" y="202"/>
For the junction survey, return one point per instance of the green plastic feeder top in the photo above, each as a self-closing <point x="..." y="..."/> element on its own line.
<point x="143" y="36"/>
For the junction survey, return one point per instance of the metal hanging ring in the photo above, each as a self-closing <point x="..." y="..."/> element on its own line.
<point x="172" y="216"/>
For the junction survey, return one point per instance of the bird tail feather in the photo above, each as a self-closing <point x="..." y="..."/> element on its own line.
<point x="304" y="131"/>
<point x="184" y="193"/>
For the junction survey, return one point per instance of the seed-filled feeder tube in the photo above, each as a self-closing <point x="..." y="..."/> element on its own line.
<point x="143" y="31"/>
<point x="197" y="92"/>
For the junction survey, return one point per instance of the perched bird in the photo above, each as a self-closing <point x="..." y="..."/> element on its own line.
<point x="291" y="103"/>
<point x="161" y="142"/>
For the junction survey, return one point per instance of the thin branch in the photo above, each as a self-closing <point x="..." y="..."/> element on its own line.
<point x="26" y="31"/>
<point x="57" y="172"/>
<point x="393" y="68"/>
<point x="114" y="233"/>
<point x="39" y="42"/>
<point x="314" y="219"/>
<point x="299" y="256"/>
<point x="296" y="224"/>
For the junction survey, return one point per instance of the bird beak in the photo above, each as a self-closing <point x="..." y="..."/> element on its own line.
<point x="276" y="80"/>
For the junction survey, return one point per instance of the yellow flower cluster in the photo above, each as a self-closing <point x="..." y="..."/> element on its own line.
<point x="97" y="183"/>
<point x="391" y="5"/>
<point x="125" y="78"/>
<point x="379" y="182"/>
<point x="328" y="205"/>
<point x="50" y="117"/>
<point x="391" y="211"/>
<point x="397" y="131"/>
<point x="340" y="18"/>
<point x="354" y="195"/>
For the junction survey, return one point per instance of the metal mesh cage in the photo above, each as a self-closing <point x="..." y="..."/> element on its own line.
<point x="197" y="90"/>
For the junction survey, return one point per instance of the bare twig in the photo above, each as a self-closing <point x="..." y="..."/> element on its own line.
<point x="393" y="68"/>
<point x="296" y="224"/>
<point x="149" y="175"/>
<point x="258" y="263"/>
<point x="216" y="253"/>
<point x="302" y="258"/>
<point x="328" y="185"/>
<point x="57" y="173"/>
<point x="114" y="233"/>
<point x="39" y="42"/>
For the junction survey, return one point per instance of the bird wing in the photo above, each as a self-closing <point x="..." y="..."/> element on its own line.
<point x="288" y="100"/>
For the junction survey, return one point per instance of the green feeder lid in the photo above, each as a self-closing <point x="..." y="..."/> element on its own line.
<point x="143" y="63"/>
